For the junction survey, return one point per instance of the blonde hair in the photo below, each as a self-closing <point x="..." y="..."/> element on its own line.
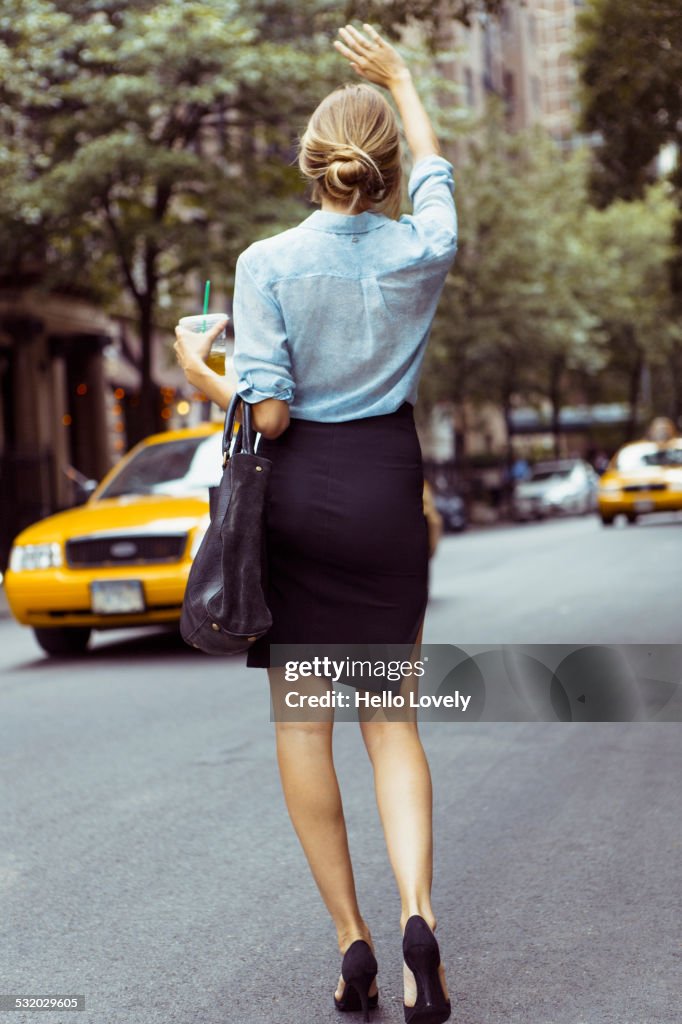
<point x="350" y="150"/>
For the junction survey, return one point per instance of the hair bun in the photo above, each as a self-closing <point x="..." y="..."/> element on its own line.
<point x="351" y="166"/>
<point x="350" y="172"/>
<point x="364" y="173"/>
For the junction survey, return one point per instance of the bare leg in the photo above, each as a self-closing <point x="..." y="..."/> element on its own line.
<point x="313" y="799"/>
<point x="402" y="781"/>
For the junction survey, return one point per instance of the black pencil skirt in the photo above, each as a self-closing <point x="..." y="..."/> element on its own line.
<point x="346" y="536"/>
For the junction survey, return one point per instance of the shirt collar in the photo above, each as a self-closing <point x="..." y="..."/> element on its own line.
<point x="344" y="223"/>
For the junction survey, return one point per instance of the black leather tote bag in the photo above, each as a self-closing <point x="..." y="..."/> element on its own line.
<point x="224" y="608"/>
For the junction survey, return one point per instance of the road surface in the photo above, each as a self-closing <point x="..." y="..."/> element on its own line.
<point x="147" y="862"/>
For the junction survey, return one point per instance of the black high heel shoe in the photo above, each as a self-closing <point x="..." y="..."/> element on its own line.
<point x="359" y="969"/>
<point x="422" y="956"/>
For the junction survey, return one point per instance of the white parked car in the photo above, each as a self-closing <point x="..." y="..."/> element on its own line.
<point x="563" y="486"/>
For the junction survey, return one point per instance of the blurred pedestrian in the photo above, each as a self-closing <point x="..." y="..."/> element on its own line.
<point x="520" y="469"/>
<point x="331" y="321"/>
<point x="661" y="429"/>
<point x="600" y="461"/>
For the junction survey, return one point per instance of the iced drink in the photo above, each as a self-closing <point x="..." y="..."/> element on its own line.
<point x="221" y="349"/>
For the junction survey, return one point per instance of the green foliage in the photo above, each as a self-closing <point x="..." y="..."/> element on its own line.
<point x="545" y="288"/>
<point x="143" y="141"/>
<point x="144" y="123"/>
<point x="140" y="141"/>
<point x="162" y="135"/>
<point x="630" y="58"/>
<point x="630" y="55"/>
<point x="112" y="110"/>
<point x="390" y="15"/>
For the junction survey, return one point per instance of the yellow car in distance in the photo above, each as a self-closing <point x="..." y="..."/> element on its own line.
<point x="642" y="477"/>
<point x="123" y="558"/>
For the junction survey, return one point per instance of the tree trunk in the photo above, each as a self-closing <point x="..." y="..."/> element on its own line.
<point x="142" y="414"/>
<point x="675" y="363"/>
<point x="633" y="390"/>
<point x="507" y="478"/>
<point x="555" y="374"/>
<point x="460" y="434"/>
<point x="147" y="419"/>
<point x="462" y="474"/>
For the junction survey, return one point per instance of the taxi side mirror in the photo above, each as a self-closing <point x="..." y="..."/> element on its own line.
<point x="82" y="490"/>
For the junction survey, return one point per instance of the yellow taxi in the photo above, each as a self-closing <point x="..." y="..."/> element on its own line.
<point x="123" y="558"/>
<point x="642" y="477"/>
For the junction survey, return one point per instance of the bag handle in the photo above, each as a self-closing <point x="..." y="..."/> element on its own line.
<point x="246" y="440"/>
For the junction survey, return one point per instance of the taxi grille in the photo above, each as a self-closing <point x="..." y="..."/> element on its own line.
<point x="638" y="488"/>
<point x="125" y="550"/>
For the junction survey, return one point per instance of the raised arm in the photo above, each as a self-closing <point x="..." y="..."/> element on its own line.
<point x="373" y="58"/>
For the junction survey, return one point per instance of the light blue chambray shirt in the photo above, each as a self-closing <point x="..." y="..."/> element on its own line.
<point x="333" y="315"/>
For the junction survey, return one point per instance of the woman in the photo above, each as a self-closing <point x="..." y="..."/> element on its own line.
<point x="331" y="322"/>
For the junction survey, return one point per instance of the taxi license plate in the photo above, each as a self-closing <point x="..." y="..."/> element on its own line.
<point x="644" y="506"/>
<point x="116" y="597"/>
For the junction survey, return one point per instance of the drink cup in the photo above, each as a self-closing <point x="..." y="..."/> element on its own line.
<point x="221" y="349"/>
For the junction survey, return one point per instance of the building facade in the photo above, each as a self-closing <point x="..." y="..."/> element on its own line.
<point x="525" y="57"/>
<point x="67" y="396"/>
<point x="53" y="415"/>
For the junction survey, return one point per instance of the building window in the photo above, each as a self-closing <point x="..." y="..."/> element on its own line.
<point x="508" y="79"/>
<point x="487" y="59"/>
<point x="533" y="29"/>
<point x="469" y="86"/>
<point x="535" y="91"/>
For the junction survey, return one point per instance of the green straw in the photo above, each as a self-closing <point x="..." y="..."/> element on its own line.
<point x="207" y="292"/>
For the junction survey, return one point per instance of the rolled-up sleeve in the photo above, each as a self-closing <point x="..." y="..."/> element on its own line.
<point x="431" y="188"/>
<point x="262" y="360"/>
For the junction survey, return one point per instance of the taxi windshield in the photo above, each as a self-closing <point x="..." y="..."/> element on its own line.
<point x="176" y="468"/>
<point x="646" y="455"/>
<point x="549" y="471"/>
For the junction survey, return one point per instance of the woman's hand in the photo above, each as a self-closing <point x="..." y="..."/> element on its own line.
<point x="192" y="348"/>
<point x="373" y="58"/>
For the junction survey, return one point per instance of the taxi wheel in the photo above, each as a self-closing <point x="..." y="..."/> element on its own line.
<point x="607" y="520"/>
<point x="63" y="641"/>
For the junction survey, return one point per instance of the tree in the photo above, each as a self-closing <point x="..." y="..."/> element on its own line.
<point x="150" y="139"/>
<point x="514" y="316"/>
<point x="631" y="245"/>
<point x="145" y="140"/>
<point x="392" y="15"/>
<point x="630" y="58"/>
<point x="546" y="289"/>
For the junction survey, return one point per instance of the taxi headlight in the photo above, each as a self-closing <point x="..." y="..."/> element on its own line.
<point x="198" y="536"/>
<point x="25" y="557"/>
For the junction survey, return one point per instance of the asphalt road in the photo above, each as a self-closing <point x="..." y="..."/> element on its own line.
<point x="560" y="581"/>
<point x="146" y="859"/>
